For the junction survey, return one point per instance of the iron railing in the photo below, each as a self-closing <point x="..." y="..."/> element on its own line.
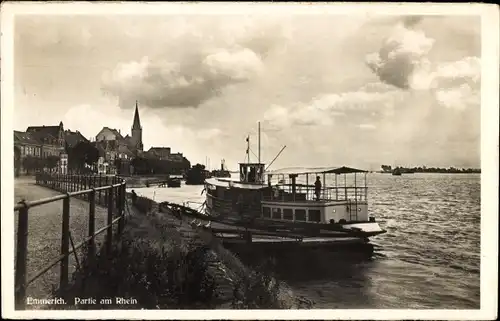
<point x="102" y="190"/>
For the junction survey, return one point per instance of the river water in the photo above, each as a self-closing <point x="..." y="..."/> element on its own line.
<point x="429" y="257"/>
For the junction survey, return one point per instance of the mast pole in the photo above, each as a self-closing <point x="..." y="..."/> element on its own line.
<point x="248" y="149"/>
<point x="259" y="142"/>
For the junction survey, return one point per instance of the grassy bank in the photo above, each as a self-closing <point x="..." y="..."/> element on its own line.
<point x="162" y="262"/>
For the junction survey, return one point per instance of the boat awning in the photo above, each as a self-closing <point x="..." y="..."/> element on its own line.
<point x="317" y="170"/>
<point x="230" y="183"/>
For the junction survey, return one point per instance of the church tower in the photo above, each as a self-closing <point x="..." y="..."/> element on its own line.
<point x="137" y="130"/>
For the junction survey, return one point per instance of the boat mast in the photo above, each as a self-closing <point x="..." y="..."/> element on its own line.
<point x="248" y="149"/>
<point x="259" y="143"/>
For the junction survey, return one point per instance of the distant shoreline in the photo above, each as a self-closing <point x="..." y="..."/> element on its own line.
<point x="433" y="172"/>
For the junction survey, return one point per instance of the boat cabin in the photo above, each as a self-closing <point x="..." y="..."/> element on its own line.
<point x="252" y="173"/>
<point x="226" y="196"/>
<point x="332" y="195"/>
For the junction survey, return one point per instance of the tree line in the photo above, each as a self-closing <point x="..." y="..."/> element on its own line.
<point x="424" y="169"/>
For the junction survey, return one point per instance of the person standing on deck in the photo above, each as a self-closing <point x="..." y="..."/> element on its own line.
<point x="317" y="187"/>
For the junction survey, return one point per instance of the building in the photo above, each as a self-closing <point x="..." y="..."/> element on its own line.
<point x="51" y="139"/>
<point x="108" y="134"/>
<point x="136" y="139"/>
<point x="112" y="144"/>
<point x="159" y="152"/>
<point x="26" y="145"/>
<point x="71" y="138"/>
<point x="38" y="142"/>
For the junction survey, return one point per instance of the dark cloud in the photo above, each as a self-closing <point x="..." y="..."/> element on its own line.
<point x="186" y="83"/>
<point x="410" y="21"/>
<point x="401" y="54"/>
<point x="205" y="61"/>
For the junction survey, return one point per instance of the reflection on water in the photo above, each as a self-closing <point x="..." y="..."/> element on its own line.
<point x="429" y="257"/>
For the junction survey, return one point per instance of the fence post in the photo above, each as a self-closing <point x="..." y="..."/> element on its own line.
<point x="65" y="244"/>
<point x="109" y="235"/>
<point x="22" y="256"/>
<point x="84" y="186"/>
<point x="108" y="191"/>
<point x="121" y="207"/>
<point x="99" y="185"/>
<point x="91" y="244"/>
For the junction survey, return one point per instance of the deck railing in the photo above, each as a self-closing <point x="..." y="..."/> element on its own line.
<point x="98" y="190"/>
<point x="308" y="193"/>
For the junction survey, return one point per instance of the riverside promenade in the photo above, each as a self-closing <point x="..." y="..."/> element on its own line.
<point x="44" y="233"/>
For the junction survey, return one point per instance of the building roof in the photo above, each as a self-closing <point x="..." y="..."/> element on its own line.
<point x="137" y="121"/>
<point x="73" y="138"/>
<point x="46" y="130"/>
<point x="159" y="149"/>
<point x="113" y="130"/>
<point x="128" y="152"/>
<point x="44" y="137"/>
<point x="25" y="138"/>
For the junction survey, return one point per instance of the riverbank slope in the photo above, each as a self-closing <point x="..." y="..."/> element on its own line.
<point x="163" y="262"/>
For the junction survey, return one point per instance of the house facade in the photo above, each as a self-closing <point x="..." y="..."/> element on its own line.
<point x="38" y="142"/>
<point x="51" y="138"/>
<point x="26" y="145"/>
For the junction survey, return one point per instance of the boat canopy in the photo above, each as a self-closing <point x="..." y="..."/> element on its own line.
<point x="317" y="170"/>
<point x="230" y="183"/>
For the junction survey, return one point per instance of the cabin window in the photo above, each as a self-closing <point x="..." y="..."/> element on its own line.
<point x="300" y="215"/>
<point x="277" y="213"/>
<point x="314" y="215"/>
<point x="266" y="212"/>
<point x="288" y="214"/>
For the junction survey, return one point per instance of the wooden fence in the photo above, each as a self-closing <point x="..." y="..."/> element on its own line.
<point x="107" y="191"/>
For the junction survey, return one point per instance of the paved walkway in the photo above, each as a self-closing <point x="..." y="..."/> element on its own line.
<point x="44" y="233"/>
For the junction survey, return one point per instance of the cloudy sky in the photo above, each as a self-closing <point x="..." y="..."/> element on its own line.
<point x="355" y="90"/>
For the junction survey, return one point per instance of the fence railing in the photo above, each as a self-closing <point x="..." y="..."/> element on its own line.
<point x="106" y="191"/>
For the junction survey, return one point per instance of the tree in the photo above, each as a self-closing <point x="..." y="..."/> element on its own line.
<point x="17" y="161"/>
<point x="82" y="153"/>
<point x="30" y="164"/>
<point x="51" y="161"/>
<point x="386" y="168"/>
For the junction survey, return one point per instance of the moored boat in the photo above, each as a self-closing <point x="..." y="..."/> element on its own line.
<point x="297" y="204"/>
<point x="222" y="172"/>
<point x="174" y="181"/>
<point x="396" y="172"/>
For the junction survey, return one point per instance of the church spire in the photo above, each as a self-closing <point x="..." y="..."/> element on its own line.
<point x="137" y="122"/>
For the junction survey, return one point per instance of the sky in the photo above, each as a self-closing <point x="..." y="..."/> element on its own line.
<point x="335" y="89"/>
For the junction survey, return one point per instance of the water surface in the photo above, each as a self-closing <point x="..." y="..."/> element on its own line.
<point x="429" y="257"/>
